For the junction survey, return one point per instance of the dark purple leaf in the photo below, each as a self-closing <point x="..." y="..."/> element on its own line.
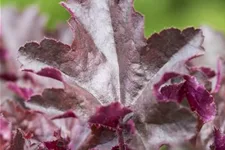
<point x="70" y="98"/>
<point x="110" y="116"/>
<point x="59" y="144"/>
<point x="164" y="123"/>
<point x="219" y="140"/>
<point x="199" y="99"/>
<point x="108" y="128"/>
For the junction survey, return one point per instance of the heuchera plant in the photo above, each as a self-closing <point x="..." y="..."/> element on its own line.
<point x="111" y="89"/>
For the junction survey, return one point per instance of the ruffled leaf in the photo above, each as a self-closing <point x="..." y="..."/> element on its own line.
<point x="110" y="116"/>
<point x="71" y="98"/>
<point x="198" y="97"/>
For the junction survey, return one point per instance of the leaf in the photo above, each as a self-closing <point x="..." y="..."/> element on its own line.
<point x="206" y="135"/>
<point x="204" y="76"/>
<point x="88" y="66"/>
<point x="213" y="58"/>
<point x="111" y="60"/>
<point x="115" y="70"/>
<point x="178" y="48"/>
<point x="198" y="97"/>
<point x="108" y="127"/>
<point x="219" y="142"/>
<point x="189" y="46"/>
<point x="110" y="116"/>
<point x="164" y="123"/>
<point x="70" y="98"/>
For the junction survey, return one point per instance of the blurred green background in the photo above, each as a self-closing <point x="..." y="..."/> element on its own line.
<point x="159" y="14"/>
